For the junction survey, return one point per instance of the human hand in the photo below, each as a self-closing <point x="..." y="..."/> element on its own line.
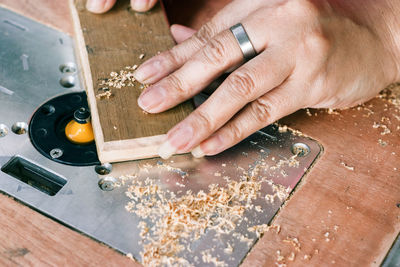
<point x="101" y="6"/>
<point x="310" y="54"/>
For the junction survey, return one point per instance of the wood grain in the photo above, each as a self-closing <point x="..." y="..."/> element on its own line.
<point x="357" y="208"/>
<point x="52" y="13"/>
<point x="361" y="203"/>
<point x="30" y="239"/>
<point x="108" y="43"/>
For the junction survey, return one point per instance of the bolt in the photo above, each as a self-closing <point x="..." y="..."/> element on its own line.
<point x="300" y="149"/>
<point x="55" y="153"/>
<point x="107" y="183"/>
<point x="3" y="130"/>
<point x="103" y="169"/>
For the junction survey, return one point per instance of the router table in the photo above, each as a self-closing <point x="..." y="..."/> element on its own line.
<point x="344" y="208"/>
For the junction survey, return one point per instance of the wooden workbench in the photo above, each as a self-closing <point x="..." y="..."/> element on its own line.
<point x="345" y="212"/>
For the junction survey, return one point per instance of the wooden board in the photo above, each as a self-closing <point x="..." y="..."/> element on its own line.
<point x="341" y="216"/>
<point x="108" y="43"/>
<point x="361" y="203"/>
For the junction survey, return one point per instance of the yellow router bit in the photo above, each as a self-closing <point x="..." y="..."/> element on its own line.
<point x="79" y="130"/>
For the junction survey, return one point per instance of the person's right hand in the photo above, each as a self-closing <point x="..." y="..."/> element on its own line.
<point x="101" y="6"/>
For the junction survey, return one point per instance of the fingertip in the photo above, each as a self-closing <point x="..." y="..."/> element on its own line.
<point x="180" y="33"/>
<point x="166" y="150"/>
<point x="99" y="6"/>
<point x="142" y="5"/>
<point x="197" y="152"/>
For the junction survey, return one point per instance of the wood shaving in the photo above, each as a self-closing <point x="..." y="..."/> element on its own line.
<point x="168" y="167"/>
<point x="208" y="258"/>
<point x="228" y="249"/>
<point x="261" y="229"/>
<point x="382" y="143"/>
<point x="385" y="128"/>
<point x="291" y="162"/>
<point x="291" y="256"/>
<point x="104" y="95"/>
<point x="294" y="241"/>
<point x="123" y="78"/>
<point x="350" y="168"/>
<point x="332" y="111"/>
<point x="283" y="129"/>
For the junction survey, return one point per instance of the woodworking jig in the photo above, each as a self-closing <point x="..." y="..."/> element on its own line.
<point x="206" y="212"/>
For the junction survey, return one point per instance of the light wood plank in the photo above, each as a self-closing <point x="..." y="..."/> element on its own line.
<point x="108" y="43"/>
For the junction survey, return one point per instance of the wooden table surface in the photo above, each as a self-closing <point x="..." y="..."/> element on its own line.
<point x="345" y="212"/>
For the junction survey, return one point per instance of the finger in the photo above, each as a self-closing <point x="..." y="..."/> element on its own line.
<point x="142" y="5"/>
<point x="218" y="55"/>
<point x="221" y="53"/>
<point x="163" y="64"/>
<point x="246" y="84"/>
<point x="99" y="6"/>
<point x="181" y="33"/>
<point x="267" y="109"/>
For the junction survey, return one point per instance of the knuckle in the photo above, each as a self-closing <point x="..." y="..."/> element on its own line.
<point x="172" y="57"/>
<point x="178" y="85"/>
<point x="318" y="41"/>
<point x="242" y="84"/>
<point x="215" y="52"/>
<point x="205" y="33"/>
<point x="235" y="132"/>
<point x="261" y="110"/>
<point x="203" y="120"/>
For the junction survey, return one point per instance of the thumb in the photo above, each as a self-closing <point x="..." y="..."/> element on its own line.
<point x="99" y="6"/>
<point x="181" y="33"/>
<point x="142" y="5"/>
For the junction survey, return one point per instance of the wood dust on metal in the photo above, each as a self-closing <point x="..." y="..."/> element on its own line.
<point x="172" y="220"/>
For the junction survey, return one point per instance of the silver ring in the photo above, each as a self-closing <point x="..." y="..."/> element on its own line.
<point x="243" y="40"/>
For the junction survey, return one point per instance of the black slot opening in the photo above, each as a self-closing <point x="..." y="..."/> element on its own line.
<point x="34" y="175"/>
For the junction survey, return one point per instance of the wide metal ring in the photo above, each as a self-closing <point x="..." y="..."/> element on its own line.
<point x="243" y="40"/>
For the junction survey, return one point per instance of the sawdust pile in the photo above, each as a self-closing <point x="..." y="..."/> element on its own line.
<point x="121" y="79"/>
<point x="392" y="94"/>
<point x="118" y="80"/>
<point x="188" y="217"/>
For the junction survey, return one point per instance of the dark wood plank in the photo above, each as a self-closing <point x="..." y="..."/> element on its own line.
<point x="108" y="43"/>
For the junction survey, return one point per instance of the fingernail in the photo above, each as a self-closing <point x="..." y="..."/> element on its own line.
<point x="151" y="98"/>
<point x="166" y="150"/>
<point x="147" y="70"/>
<point x="213" y="145"/>
<point x="95" y="5"/>
<point x="140" y="5"/>
<point x="176" y="141"/>
<point x="197" y="152"/>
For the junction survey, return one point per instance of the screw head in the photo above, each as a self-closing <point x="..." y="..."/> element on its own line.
<point x="3" y="130"/>
<point x="103" y="169"/>
<point x="55" y="153"/>
<point x="300" y="149"/>
<point x="107" y="183"/>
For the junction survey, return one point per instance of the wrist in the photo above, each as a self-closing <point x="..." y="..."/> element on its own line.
<point x="382" y="19"/>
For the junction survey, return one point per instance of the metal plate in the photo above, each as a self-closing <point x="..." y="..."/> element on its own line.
<point x="37" y="63"/>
